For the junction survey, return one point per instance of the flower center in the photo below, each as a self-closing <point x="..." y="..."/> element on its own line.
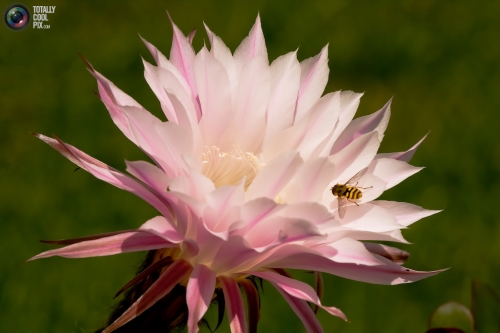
<point x="228" y="168"/>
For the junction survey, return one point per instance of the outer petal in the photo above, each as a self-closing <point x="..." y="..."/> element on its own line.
<point x="349" y="102"/>
<point x="274" y="176"/>
<point x="174" y="274"/>
<point x="377" y="121"/>
<point x="297" y="289"/>
<point x="303" y="311"/>
<point x="182" y="55"/>
<point x="356" y="156"/>
<point x="392" y="171"/>
<point x="308" y="132"/>
<point x="108" y="174"/>
<point x="234" y="304"/>
<point x="199" y="291"/>
<point x="313" y="80"/>
<point x="405" y="213"/>
<point x="405" y="155"/>
<point x="285" y="82"/>
<point x="126" y="242"/>
<point x="149" y="174"/>
<point x="386" y="273"/>
<point x="370" y="217"/>
<point x="311" y="181"/>
<point x="252" y="45"/>
<point x="393" y="254"/>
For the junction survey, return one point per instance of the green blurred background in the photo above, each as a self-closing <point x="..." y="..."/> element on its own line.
<point x="439" y="59"/>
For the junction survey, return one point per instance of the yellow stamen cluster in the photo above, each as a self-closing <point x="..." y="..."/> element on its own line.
<point x="229" y="168"/>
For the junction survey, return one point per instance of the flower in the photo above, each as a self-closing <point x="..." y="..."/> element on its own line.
<point x="242" y="177"/>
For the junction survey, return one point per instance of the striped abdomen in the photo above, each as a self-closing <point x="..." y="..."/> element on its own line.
<point x="346" y="191"/>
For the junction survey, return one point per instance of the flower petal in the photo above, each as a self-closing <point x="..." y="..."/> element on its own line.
<point x="182" y="56"/>
<point x="215" y="97"/>
<point x="174" y="274"/>
<point x="274" y="176"/>
<point x="149" y="174"/>
<point x="313" y="80"/>
<point x="285" y="82"/>
<point x="405" y="213"/>
<point x="253" y="304"/>
<point x="108" y="174"/>
<point x="160" y="226"/>
<point x="377" y="121"/>
<point x="349" y="102"/>
<point x="234" y="304"/>
<point x="386" y="273"/>
<point x="393" y="254"/>
<point x="303" y="311"/>
<point x="199" y="291"/>
<point x="392" y="171"/>
<point x="405" y="155"/>
<point x="297" y="289"/>
<point x="122" y="243"/>
<point x="307" y="133"/>
<point x="354" y="157"/>
<point x="252" y="45"/>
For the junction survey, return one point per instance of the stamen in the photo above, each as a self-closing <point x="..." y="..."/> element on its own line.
<point x="228" y="168"/>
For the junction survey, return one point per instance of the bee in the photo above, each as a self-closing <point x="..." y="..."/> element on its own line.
<point x="347" y="192"/>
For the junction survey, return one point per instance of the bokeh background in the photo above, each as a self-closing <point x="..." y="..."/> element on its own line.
<point x="439" y="59"/>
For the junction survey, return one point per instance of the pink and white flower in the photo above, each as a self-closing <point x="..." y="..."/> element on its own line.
<point x="242" y="178"/>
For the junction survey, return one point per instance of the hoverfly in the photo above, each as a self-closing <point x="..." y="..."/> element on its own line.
<point x="347" y="192"/>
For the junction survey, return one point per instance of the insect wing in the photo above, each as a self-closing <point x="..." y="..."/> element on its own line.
<point x="342" y="202"/>
<point x="357" y="176"/>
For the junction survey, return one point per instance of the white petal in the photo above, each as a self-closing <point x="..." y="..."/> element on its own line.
<point x="392" y="171"/>
<point x="313" y="80"/>
<point x="405" y="213"/>
<point x="374" y="122"/>
<point x="215" y="96"/>
<point x="274" y="176"/>
<point x="356" y="156"/>
<point x="285" y="78"/>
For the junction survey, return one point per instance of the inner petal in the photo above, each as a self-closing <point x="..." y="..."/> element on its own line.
<point x="228" y="168"/>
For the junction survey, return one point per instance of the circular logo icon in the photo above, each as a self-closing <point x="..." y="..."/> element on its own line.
<point x="16" y="17"/>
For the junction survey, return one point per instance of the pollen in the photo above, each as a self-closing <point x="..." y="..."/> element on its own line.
<point x="229" y="168"/>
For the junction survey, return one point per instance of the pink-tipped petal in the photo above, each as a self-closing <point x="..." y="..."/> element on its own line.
<point x="191" y="35"/>
<point x="149" y="174"/>
<point x="404" y="155"/>
<point x="161" y="227"/>
<point x="297" y="289"/>
<point x="377" y="121"/>
<point x="251" y="103"/>
<point x="392" y="171"/>
<point x="274" y="176"/>
<point x="108" y="174"/>
<point x="199" y="291"/>
<point x="215" y="96"/>
<point x="285" y="82"/>
<point x="311" y="181"/>
<point x="174" y="274"/>
<point x="303" y="311"/>
<point x="252" y="45"/>
<point x="405" y="213"/>
<point x="313" y="80"/>
<point x="307" y="133"/>
<point x="393" y="254"/>
<point x="182" y="55"/>
<point x="349" y="102"/>
<point x="386" y="273"/>
<point x="253" y="304"/>
<point x="354" y="157"/>
<point x="234" y="305"/>
<point x="369" y="217"/>
<point x="122" y="243"/>
<point x="224" y="55"/>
